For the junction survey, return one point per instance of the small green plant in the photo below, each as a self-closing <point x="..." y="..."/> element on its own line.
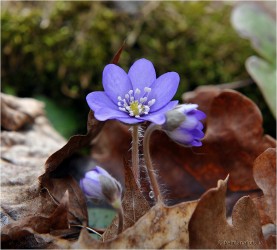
<point x="255" y="22"/>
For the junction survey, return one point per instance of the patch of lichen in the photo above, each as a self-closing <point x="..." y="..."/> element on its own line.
<point x="59" y="49"/>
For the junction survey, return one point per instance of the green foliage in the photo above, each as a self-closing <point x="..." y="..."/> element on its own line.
<point x="264" y="74"/>
<point x="59" y="49"/>
<point x="254" y="22"/>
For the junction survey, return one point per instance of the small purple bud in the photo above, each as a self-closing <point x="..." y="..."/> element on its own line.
<point x="100" y="185"/>
<point x="183" y="125"/>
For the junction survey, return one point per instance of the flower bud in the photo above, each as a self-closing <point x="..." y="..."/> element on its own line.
<point x="100" y="185"/>
<point x="183" y="125"/>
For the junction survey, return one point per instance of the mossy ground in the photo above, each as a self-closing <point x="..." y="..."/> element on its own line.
<point x="57" y="50"/>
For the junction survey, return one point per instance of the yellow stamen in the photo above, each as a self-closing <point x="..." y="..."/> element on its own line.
<point x="134" y="108"/>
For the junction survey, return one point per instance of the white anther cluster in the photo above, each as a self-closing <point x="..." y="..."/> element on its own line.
<point x="135" y="105"/>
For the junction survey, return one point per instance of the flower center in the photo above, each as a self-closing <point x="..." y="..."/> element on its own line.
<point x="135" y="105"/>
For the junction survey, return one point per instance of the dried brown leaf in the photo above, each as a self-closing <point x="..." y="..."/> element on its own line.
<point x="234" y="138"/>
<point x="118" y="54"/>
<point x="23" y="154"/>
<point x="16" y="112"/>
<point x="36" y="224"/>
<point x="77" y="202"/>
<point x="271" y="242"/>
<point x="203" y="96"/>
<point x="161" y="228"/>
<point x="134" y="205"/>
<point x="75" y="143"/>
<point x="261" y="206"/>
<point x="208" y="227"/>
<point x="264" y="172"/>
<point x="56" y="184"/>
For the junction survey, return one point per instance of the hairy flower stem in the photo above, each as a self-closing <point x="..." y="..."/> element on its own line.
<point x="120" y="220"/>
<point x="135" y="153"/>
<point x="146" y="151"/>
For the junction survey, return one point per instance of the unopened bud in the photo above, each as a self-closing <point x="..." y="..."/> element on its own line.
<point x="183" y="125"/>
<point x="100" y="185"/>
<point x="174" y="119"/>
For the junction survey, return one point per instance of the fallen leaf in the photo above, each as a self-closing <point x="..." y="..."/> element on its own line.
<point x="19" y="230"/>
<point x="261" y="206"/>
<point x="77" y="213"/>
<point x="161" y="228"/>
<point x="75" y="143"/>
<point x="203" y="96"/>
<point x="17" y="112"/>
<point x="271" y="242"/>
<point x="56" y="178"/>
<point x="23" y="154"/>
<point x="264" y="172"/>
<point x="134" y="205"/>
<point x="208" y="227"/>
<point x="236" y="140"/>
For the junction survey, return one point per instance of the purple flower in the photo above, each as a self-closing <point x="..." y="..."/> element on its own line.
<point x="100" y="185"/>
<point x="183" y="125"/>
<point x="134" y="97"/>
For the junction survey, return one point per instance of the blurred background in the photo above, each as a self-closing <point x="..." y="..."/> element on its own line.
<point x="55" y="51"/>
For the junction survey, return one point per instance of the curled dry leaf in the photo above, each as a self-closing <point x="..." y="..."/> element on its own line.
<point x="23" y="154"/>
<point x="16" y="112"/>
<point x="203" y="96"/>
<point x="271" y="241"/>
<point x="161" y="228"/>
<point x="24" y="211"/>
<point x="56" y="184"/>
<point x="208" y="227"/>
<point x="134" y="205"/>
<point x="75" y="143"/>
<point x="264" y="172"/>
<point x="233" y="143"/>
<point x="260" y="204"/>
<point x="38" y="232"/>
<point x="26" y="199"/>
<point x="37" y="224"/>
<point x="265" y="176"/>
<point x="77" y="203"/>
<point x="22" y="197"/>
